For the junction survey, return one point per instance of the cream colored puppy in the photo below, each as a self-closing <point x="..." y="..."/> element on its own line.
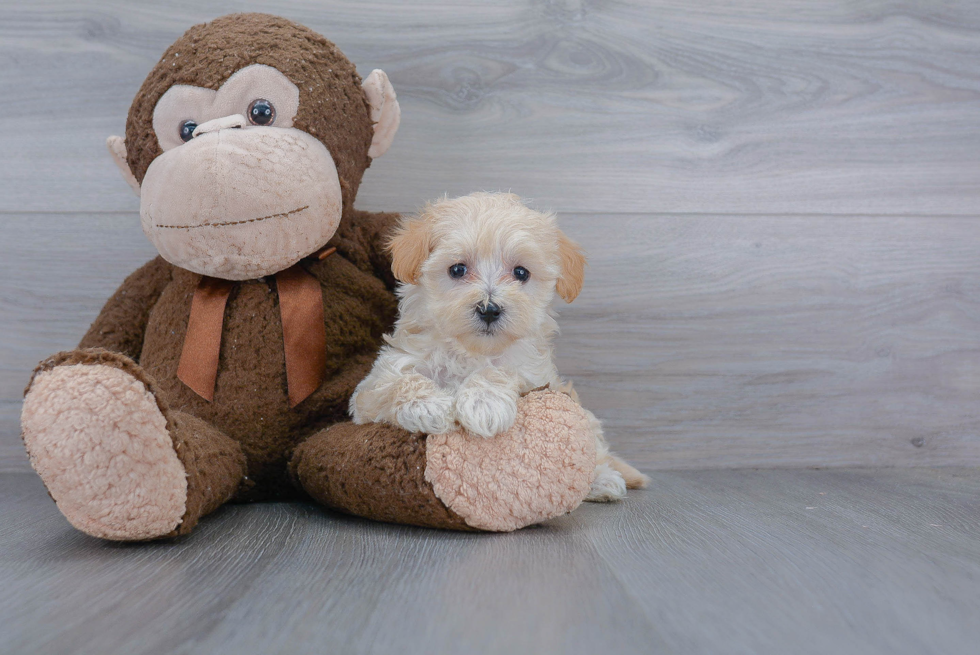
<point x="475" y="326"/>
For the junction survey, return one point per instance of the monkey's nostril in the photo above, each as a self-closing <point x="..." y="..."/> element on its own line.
<point x="489" y="312"/>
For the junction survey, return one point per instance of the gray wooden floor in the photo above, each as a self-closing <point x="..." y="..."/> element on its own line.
<point x="751" y="561"/>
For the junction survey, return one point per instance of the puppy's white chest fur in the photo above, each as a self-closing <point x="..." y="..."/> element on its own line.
<point x="449" y="366"/>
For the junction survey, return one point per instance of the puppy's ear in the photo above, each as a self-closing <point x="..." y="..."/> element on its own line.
<point x="410" y="246"/>
<point x="572" y="268"/>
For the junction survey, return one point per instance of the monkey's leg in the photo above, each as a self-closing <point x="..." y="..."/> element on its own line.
<point x="541" y="468"/>
<point x="118" y="463"/>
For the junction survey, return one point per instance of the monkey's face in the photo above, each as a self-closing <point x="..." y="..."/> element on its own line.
<point x="238" y="192"/>
<point x="244" y="167"/>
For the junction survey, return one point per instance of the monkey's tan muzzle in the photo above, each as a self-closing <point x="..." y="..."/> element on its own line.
<point x="239" y="204"/>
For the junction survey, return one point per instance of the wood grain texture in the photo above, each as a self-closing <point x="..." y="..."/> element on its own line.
<point x="777" y="341"/>
<point x="768" y="332"/>
<point x="674" y="106"/>
<point x="700" y="341"/>
<point x="780" y="203"/>
<point x="61" y="270"/>
<point x="761" y="562"/>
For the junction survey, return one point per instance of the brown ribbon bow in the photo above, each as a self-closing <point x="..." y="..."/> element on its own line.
<point x="303" y="333"/>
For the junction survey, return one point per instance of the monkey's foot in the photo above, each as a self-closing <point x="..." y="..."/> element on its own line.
<point x="100" y="442"/>
<point x="542" y="467"/>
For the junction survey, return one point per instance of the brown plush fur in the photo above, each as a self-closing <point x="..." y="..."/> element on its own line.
<point x="146" y="319"/>
<point x="120" y="325"/>
<point x="332" y="106"/>
<point x="390" y="484"/>
<point x="251" y="403"/>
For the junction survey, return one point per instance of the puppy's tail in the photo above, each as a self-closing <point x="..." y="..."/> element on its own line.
<point x="634" y="479"/>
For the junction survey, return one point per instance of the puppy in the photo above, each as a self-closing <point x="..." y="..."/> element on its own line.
<point x="475" y="326"/>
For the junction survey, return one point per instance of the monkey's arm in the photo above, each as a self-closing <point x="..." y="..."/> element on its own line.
<point x="364" y="243"/>
<point x="121" y="324"/>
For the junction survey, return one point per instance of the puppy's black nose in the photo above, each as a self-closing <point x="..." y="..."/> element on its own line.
<point x="488" y="313"/>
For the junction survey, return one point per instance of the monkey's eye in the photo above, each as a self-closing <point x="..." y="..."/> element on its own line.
<point x="457" y="271"/>
<point x="187" y="130"/>
<point x="261" y="112"/>
<point x="521" y="273"/>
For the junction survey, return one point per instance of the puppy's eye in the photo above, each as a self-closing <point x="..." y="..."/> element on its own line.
<point x="457" y="271"/>
<point x="187" y="130"/>
<point x="521" y="274"/>
<point x="261" y="112"/>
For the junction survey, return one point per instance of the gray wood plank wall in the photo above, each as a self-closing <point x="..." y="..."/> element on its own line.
<point x="779" y="199"/>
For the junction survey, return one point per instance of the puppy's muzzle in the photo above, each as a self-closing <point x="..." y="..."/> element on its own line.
<point x="489" y="312"/>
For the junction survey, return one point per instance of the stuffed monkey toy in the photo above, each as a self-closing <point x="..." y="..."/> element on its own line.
<point x="222" y="369"/>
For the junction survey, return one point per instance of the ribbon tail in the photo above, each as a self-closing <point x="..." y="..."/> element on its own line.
<point x="303" y="332"/>
<point x="198" y="367"/>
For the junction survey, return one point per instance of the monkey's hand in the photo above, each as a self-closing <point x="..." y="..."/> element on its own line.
<point x="486" y="403"/>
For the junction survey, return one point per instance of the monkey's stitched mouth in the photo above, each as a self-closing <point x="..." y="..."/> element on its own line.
<point x="242" y="222"/>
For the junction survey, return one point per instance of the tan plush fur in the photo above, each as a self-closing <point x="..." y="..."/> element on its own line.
<point x="445" y="364"/>
<point x="252" y="202"/>
<point x="385" y="112"/>
<point x="100" y="443"/>
<point x="538" y="469"/>
<point x="185" y="101"/>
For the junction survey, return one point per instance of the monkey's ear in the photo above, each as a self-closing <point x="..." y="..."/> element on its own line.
<point x="572" y="268"/>
<point x="117" y="148"/>
<point x="385" y="113"/>
<point x="410" y="247"/>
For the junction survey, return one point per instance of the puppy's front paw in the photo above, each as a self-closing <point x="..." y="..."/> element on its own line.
<point x="608" y="486"/>
<point x="485" y="411"/>
<point x="429" y="414"/>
